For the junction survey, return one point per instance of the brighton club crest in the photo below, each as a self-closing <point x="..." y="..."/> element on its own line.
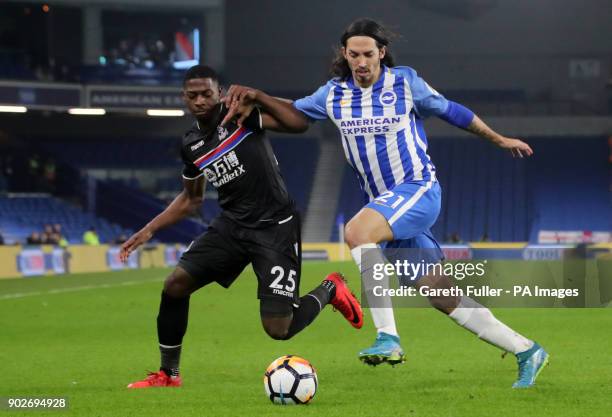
<point x="388" y="98"/>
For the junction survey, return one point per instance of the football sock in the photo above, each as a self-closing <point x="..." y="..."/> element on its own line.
<point x="171" y="327"/>
<point x="329" y="289"/>
<point x="480" y="321"/>
<point x="384" y="320"/>
<point x="170" y="357"/>
<point x="381" y="307"/>
<point x="310" y="306"/>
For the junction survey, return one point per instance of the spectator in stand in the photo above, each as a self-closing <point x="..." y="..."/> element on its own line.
<point x="48" y="229"/>
<point x="58" y="236"/>
<point x="121" y="239"/>
<point x="455" y="238"/>
<point x="90" y="237"/>
<point x="58" y="240"/>
<point x="57" y="232"/>
<point x="46" y="237"/>
<point x="34" y="239"/>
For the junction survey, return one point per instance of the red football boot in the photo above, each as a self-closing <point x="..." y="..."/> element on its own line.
<point x="157" y="379"/>
<point x="345" y="302"/>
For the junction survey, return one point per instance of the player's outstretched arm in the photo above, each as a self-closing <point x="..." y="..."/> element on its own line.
<point x="517" y="147"/>
<point x="429" y="102"/>
<point x="182" y="206"/>
<point x="279" y="114"/>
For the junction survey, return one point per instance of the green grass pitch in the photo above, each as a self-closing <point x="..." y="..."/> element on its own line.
<point x="87" y="336"/>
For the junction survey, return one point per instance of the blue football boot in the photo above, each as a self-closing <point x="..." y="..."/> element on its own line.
<point x="386" y="348"/>
<point x="530" y="363"/>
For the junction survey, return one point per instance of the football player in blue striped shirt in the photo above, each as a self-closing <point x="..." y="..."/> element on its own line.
<point x="379" y="109"/>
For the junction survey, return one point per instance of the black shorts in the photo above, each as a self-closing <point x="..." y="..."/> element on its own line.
<point x="222" y="253"/>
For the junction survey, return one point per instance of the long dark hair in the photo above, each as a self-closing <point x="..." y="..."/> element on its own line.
<point x="362" y="27"/>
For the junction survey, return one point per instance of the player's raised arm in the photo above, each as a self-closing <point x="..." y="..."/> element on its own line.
<point x="182" y="206"/>
<point x="278" y="114"/>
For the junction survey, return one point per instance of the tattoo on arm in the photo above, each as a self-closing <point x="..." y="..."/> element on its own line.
<point x="480" y="128"/>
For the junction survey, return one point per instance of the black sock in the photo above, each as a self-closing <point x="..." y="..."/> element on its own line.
<point x="330" y="287"/>
<point x="310" y="306"/>
<point x="171" y="327"/>
<point x="170" y="357"/>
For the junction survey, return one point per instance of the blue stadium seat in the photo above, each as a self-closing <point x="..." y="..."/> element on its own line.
<point x="486" y="191"/>
<point x="297" y="157"/>
<point x="20" y="216"/>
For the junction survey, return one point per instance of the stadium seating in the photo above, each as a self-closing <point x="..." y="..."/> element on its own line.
<point x="114" y="153"/>
<point x="20" y="216"/>
<point x="95" y="74"/>
<point x="567" y="197"/>
<point x="297" y="157"/>
<point x="486" y="193"/>
<point x="12" y="66"/>
<point x="134" y="208"/>
<point x="483" y="192"/>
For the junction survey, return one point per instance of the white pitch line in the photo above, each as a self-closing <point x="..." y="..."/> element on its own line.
<point x="73" y="289"/>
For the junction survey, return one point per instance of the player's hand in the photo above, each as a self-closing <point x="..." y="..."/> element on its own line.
<point x="240" y="101"/>
<point x="517" y="147"/>
<point x="136" y="240"/>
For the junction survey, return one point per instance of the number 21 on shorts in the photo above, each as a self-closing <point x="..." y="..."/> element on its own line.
<point x="389" y="199"/>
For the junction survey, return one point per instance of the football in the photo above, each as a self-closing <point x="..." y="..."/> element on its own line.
<point x="290" y="380"/>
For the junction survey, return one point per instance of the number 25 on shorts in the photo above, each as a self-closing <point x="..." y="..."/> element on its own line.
<point x="278" y="272"/>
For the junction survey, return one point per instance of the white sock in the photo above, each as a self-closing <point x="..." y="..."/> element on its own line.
<point x="381" y="316"/>
<point x="480" y="321"/>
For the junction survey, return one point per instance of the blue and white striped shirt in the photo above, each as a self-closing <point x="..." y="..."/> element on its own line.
<point x="381" y="126"/>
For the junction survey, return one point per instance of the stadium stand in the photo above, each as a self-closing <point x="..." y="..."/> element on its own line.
<point x="12" y="67"/>
<point x="129" y="206"/>
<point x="571" y="185"/>
<point x="113" y="152"/>
<point x="487" y="194"/>
<point x="129" y="180"/>
<point x="22" y="215"/>
<point x="297" y="157"/>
